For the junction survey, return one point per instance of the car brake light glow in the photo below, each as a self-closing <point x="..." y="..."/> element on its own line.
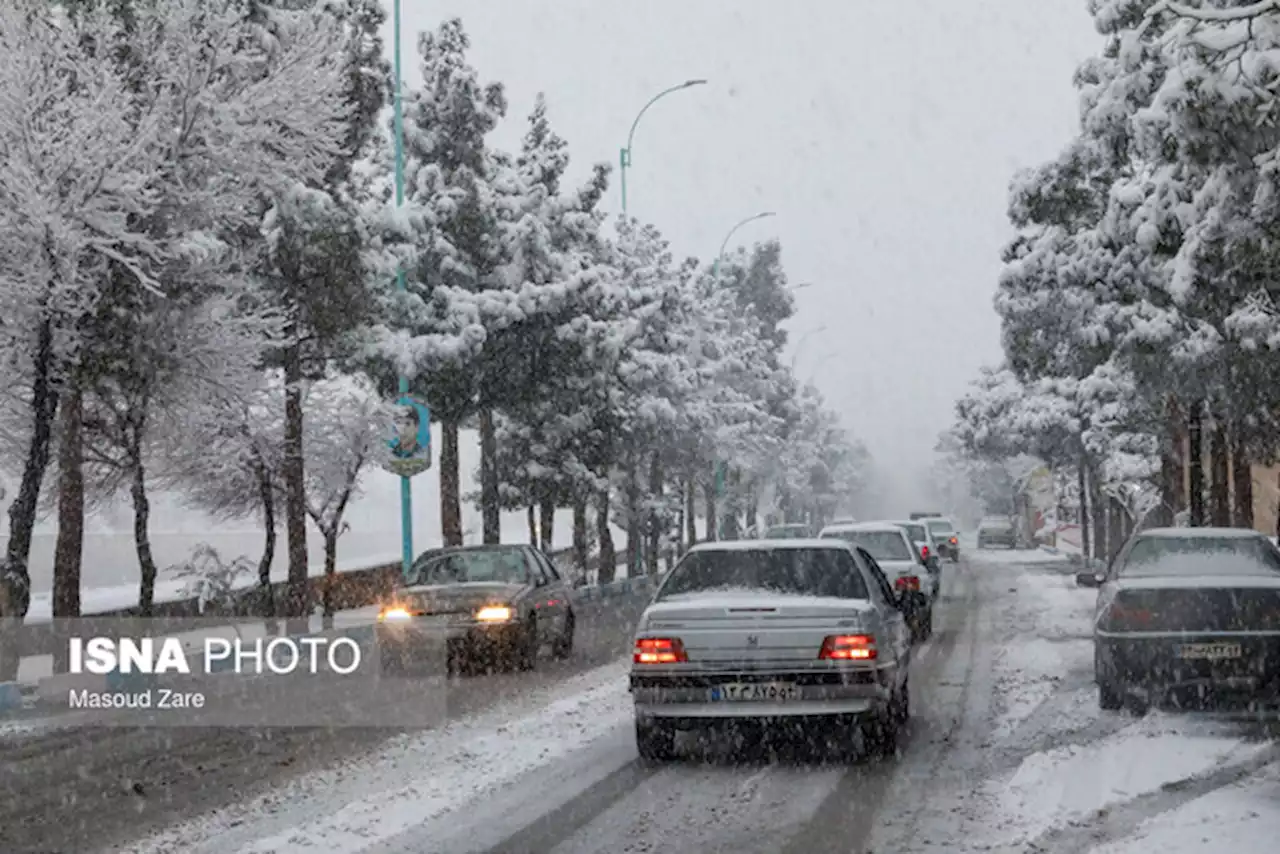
<point x="848" y="648"/>
<point x="1120" y="615"/>
<point x="953" y="541"/>
<point x="907" y="582"/>
<point x="924" y="552"/>
<point x="659" y="651"/>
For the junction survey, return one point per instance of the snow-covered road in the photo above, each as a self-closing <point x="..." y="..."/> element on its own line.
<point x="1007" y="752"/>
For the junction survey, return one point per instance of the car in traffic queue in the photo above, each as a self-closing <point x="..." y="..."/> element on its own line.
<point x="900" y="561"/>
<point x="997" y="531"/>
<point x="789" y="531"/>
<point x="778" y="632"/>
<point x="1188" y="615"/>
<point x="946" y="536"/>
<point x="928" y="547"/>
<point x="486" y="607"/>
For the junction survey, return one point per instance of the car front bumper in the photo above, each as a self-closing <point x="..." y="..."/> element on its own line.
<point x="1153" y="664"/>
<point x="821" y="693"/>
<point x="422" y="637"/>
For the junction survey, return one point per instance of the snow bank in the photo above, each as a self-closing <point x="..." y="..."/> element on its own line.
<point x="1242" y="819"/>
<point x="1062" y="786"/>
<point x="414" y="781"/>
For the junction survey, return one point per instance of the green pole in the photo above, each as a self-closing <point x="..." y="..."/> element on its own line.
<point x="624" y="156"/>
<point x="406" y="489"/>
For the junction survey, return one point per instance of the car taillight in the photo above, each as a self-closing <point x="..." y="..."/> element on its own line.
<point x="848" y="648"/>
<point x="953" y="541"/>
<point x="924" y="552"/>
<point x="659" y="651"/>
<point x="907" y="582"/>
<point x="1122" y="617"/>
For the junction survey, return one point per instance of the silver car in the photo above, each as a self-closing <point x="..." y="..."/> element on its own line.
<point x="771" y="630"/>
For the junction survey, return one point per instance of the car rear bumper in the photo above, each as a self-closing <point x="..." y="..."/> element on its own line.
<point x="1154" y="664"/>
<point x="850" y="692"/>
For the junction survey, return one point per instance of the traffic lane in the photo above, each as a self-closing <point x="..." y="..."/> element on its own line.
<point x="126" y="782"/>
<point x="790" y="796"/>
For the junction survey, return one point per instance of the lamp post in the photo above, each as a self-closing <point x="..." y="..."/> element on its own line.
<point x="721" y="467"/>
<point x="406" y="490"/>
<point x="800" y="344"/>
<point x="624" y="156"/>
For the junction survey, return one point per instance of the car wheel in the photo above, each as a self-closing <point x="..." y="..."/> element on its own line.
<point x="926" y="626"/>
<point x="903" y="706"/>
<point x="1110" y="696"/>
<point x="655" y="740"/>
<point x="527" y="651"/>
<point x="564" y="644"/>
<point x="881" y="731"/>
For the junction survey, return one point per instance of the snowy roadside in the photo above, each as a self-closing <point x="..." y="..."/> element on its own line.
<point x="414" y="780"/>
<point x="1090" y="763"/>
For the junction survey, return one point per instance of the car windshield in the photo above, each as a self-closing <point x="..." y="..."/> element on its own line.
<point x="798" y="571"/>
<point x="881" y="545"/>
<point x="499" y="566"/>
<point x="1198" y="556"/>
<point x="939" y="526"/>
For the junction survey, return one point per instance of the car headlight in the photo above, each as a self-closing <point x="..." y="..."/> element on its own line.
<point x="393" y="614"/>
<point x="494" y="614"/>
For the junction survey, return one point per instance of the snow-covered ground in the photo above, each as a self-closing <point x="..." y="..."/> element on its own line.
<point x="416" y="781"/>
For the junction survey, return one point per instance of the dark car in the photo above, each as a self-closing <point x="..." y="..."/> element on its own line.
<point x="484" y="606"/>
<point x="997" y="531"/>
<point x="1189" y="617"/>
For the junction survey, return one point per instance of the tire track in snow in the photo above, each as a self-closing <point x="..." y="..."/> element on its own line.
<point x="1121" y="820"/>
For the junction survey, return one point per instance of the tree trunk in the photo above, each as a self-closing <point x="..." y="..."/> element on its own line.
<point x="330" y="570"/>
<point x="531" y="515"/>
<point x="1115" y="527"/>
<point x="1195" y="466"/>
<point x="731" y="508"/>
<point x="607" y="559"/>
<point x="753" y="506"/>
<point x="1219" y="468"/>
<point x="1242" y="479"/>
<point x="15" y="580"/>
<point x="142" y="531"/>
<point x="1170" y="491"/>
<point x="1083" y="484"/>
<point x="267" y="497"/>
<point x="450" y="486"/>
<point x="295" y="496"/>
<point x="635" y="524"/>
<point x="69" y="546"/>
<point x="655" y="516"/>
<point x="691" y="510"/>
<point x="490" y="506"/>
<point x="547" y="525"/>
<point x="580" y="537"/>
<point x="712" y="534"/>
<point x="1098" y="508"/>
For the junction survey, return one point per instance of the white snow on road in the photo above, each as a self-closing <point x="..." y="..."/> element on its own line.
<point x="1242" y="819"/>
<point x="1016" y="556"/>
<point x="416" y="779"/>
<point x="1070" y="783"/>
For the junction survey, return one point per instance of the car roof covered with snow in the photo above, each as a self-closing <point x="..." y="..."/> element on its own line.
<point x="1202" y="533"/>
<point x="759" y="545"/>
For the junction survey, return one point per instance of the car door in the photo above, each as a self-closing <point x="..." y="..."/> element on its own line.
<point x="557" y="590"/>
<point x="890" y="614"/>
<point x="543" y="597"/>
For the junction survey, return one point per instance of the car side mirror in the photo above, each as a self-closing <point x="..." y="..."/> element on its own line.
<point x="1088" y="579"/>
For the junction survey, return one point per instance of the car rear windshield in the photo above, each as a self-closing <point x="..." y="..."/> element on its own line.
<point x="882" y="545"/>
<point x="915" y="532"/>
<point x="939" y="526"/>
<point x="1157" y="556"/>
<point x="501" y="566"/>
<point x="805" y="572"/>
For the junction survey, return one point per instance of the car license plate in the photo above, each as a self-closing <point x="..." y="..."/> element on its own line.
<point x="747" y="692"/>
<point x="1210" y="651"/>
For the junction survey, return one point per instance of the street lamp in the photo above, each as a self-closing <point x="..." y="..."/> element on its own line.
<point x="715" y="269"/>
<point x="800" y="344"/>
<point x="624" y="156"/>
<point x="406" y="490"/>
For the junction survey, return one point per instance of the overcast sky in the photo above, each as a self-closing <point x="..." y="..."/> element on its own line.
<point x="883" y="133"/>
